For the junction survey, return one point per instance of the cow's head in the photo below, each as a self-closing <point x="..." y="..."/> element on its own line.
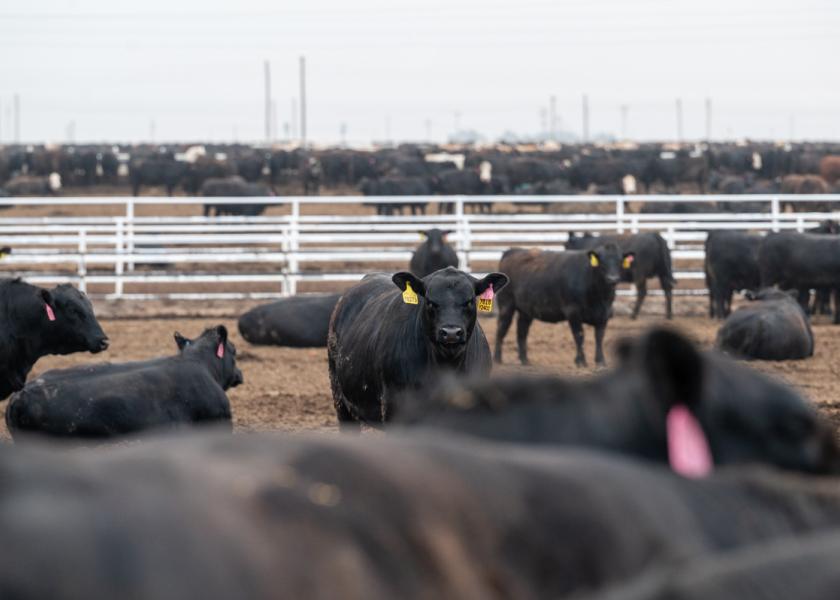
<point x="68" y="321"/>
<point x="448" y="300"/>
<point x="214" y="347"/>
<point x="607" y="261"/>
<point x="435" y="239"/>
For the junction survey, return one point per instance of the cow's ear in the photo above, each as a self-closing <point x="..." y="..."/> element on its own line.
<point x="674" y="367"/>
<point x="47" y="297"/>
<point x="424" y="234"/>
<point x="627" y="260"/>
<point x="497" y="280"/>
<point x="181" y="341"/>
<point x="222" y="331"/>
<point x="594" y="261"/>
<point x="404" y="278"/>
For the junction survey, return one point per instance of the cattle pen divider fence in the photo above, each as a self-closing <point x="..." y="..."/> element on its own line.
<point x="286" y="249"/>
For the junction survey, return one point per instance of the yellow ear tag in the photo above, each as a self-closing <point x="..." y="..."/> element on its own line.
<point x="485" y="300"/>
<point x="628" y="261"/>
<point x="409" y="295"/>
<point x="593" y="260"/>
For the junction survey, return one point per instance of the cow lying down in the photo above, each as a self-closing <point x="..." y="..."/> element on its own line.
<point x="298" y="322"/>
<point x="663" y="392"/>
<point x="772" y="327"/>
<point x="106" y="400"/>
<point x="217" y="516"/>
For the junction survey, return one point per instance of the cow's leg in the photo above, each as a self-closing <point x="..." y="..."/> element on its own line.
<point x="502" y="326"/>
<point x="824" y="298"/>
<point x="523" y="324"/>
<point x="641" y="292"/>
<point x="837" y="306"/>
<point x="727" y="303"/>
<point x="600" y="330"/>
<point x="576" y="325"/>
<point x="668" y="288"/>
<point x="804" y="298"/>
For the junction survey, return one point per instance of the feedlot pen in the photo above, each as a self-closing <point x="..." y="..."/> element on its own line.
<point x="161" y="248"/>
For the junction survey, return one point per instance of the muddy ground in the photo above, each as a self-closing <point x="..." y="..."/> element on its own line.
<point x="288" y="389"/>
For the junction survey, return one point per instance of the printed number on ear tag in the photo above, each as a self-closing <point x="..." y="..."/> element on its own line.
<point x="485" y="300"/>
<point x="593" y="260"/>
<point x="628" y="262"/>
<point x="409" y="295"/>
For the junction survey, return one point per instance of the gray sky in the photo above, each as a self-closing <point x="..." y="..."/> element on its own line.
<point x="195" y="67"/>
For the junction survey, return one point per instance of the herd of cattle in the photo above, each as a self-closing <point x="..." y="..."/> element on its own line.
<point x="418" y="170"/>
<point x="675" y="474"/>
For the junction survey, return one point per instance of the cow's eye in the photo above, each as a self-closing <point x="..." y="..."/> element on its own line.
<point x="432" y="305"/>
<point x="469" y="303"/>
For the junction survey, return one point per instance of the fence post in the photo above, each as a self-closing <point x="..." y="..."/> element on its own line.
<point x="82" y="264"/>
<point x="774" y="211"/>
<point x="129" y="219"/>
<point x="294" y="246"/>
<point x="464" y="244"/>
<point x="669" y="238"/>
<point x="619" y="214"/>
<point x="118" y="264"/>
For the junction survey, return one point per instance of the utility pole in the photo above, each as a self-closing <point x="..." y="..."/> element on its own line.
<point x="267" y="83"/>
<point x="679" y="121"/>
<point x="294" y="121"/>
<point x="708" y="119"/>
<point x="624" y="122"/>
<point x="543" y="123"/>
<point x="273" y="121"/>
<point x="585" y="119"/>
<point x="303" y="101"/>
<point x="552" y="107"/>
<point x="16" y="105"/>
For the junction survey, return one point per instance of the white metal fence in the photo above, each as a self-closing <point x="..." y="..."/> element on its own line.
<point x="310" y="242"/>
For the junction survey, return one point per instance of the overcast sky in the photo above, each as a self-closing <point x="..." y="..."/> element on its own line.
<point x="403" y="68"/>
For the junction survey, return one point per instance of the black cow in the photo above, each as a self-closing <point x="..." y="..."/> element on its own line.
<point x="38" y="322"/>
<point x="34" y="185"/>
<point x="105" y="400"/>
<point x="745" y="416"/>
<point x="396" y="186"/>
<point x="298" y="322"/>
<point x="575" y="286"/>
<point x="156" y="170"/>
<point x="433" y="254"/>
<point x="651" y="258"/>
<point x="234" y="186"/>
<point x="731" y="264"/>
<point x="772" y="327"/>
<point x="381" y="342"/>
<point x="822" y="297"/>
<point x="218" y="516"/>
<point x="802" y="261"/>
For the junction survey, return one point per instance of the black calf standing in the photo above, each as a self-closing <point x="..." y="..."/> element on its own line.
<point x="731" y="264"/>
<point x="382" y="342"/>
<point x="433" y="254"/>
<point x="575" y="286"/>
<point x="652" y="258"/>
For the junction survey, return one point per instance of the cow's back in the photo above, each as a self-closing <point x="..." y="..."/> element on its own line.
<point x="300" y="321"/>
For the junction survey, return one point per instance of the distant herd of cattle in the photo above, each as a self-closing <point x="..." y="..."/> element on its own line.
<point x="414" y="170"/>
<point x="508" y="486"/>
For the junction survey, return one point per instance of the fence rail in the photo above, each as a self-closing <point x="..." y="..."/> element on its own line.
<point x="276" y="252"/>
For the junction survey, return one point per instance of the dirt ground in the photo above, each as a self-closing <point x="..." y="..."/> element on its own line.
<point x="288" y="389"/>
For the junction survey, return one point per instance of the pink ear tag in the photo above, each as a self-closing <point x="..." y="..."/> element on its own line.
<point x="50" y="313"/>
<point x="485" y="300"/>
<point x="688" y="449"/>
<point x="220" y="351"/>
